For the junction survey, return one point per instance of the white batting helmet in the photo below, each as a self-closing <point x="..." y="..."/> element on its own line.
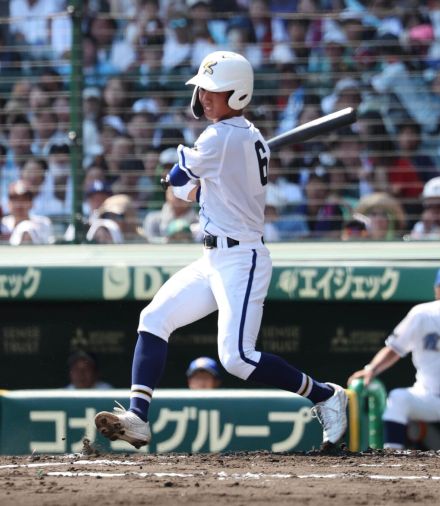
<point x="223" y="71"/>
<point x="432" y="188"/>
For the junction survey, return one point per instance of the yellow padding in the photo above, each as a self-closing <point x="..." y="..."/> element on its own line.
<point x="354" y="442"/>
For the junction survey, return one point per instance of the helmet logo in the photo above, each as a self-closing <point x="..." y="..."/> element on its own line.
<point x="208" y="67"/>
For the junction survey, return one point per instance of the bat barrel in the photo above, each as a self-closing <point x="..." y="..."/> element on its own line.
<point x="319" y="126"/>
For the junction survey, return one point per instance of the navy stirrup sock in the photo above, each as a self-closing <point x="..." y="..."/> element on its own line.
<point x="148" y="365"/>
<point x="394" y="433"/>
<point x="274" y="371"/>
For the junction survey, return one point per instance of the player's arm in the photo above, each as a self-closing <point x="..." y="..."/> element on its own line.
<point x="182" y="186"/>
<point x="383" y="360"/>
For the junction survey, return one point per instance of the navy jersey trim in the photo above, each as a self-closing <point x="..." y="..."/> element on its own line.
<point x="244" y="310"/>
<point x="235" y="126"/>
<point x="191" y="173"/>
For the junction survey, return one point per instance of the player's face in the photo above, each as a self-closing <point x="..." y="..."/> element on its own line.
<point x="215" y="105"/>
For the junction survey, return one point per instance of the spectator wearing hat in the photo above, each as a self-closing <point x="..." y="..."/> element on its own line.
<point x="96" y="191"/>
<point x="203" y="373"/>
<point x="19" y="225"/>
<point x="386" y="216"/>
<point x="428" y="227"/>
<point x="84" y="372"/>
<point x="121" y="210"/>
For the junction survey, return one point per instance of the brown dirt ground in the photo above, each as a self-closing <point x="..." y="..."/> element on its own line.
<point x="369" y="478"/>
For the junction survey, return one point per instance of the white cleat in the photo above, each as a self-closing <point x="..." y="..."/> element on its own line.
<point x="332" y="415"/>
<point x="123" y="424"/>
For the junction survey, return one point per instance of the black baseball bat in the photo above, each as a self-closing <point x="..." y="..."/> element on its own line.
<point x="323" y="125"/>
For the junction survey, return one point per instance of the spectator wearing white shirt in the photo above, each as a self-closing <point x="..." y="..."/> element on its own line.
<point x="19" y="225"/>
<point x="31" y="23"/>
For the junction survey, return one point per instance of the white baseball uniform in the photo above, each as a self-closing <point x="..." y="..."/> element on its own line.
<point x="419" y="334"/>
<point x="230" y="158"/>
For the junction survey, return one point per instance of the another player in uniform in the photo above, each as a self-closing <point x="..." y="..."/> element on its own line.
<point x="419" y="334"/>
<point x="227" y="172"/>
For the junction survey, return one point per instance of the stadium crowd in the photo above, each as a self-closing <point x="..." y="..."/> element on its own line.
<point x="374" y="180"/>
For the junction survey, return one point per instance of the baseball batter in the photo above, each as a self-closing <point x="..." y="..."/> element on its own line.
<point x="227" y="171"/>
<point x="419" y="334"/>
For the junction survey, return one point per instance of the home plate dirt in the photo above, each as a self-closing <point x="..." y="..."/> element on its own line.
<point x="369" y="478"/>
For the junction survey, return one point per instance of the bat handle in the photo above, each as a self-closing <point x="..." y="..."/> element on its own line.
<point x="165" y="182"/>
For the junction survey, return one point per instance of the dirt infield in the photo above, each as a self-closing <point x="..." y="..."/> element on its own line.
<point x="370" y="478"/>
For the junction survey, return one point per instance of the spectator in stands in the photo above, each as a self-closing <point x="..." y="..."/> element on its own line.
<point x="291" y="97"/>
<point x="156" y="222"/>
<point x="116" y="98"/>
<point x="96" y="70"/>
<point x="111" y="51"/>
<point x="241" y="39"/>
<point x="31" y="24"/>
<point x="410" y="90"/>
<point x="203" y="373"/>
<point x="19" y="225"/>
<point x="178" y="41"/>
<point x="428" y="227"/>
<point x="58" y="178"/>
<point x="19" y="143"/>
<point x="95" y="194"/>
<point x="356" y="228"/>
<point x="328" y="61"/>
<point x="148" y="72"/>
<point x="321" y="212"/>
<point x="408" y="145"/>
<point x="84" y="372"/>
<point x="130" y="180"/>
<point x="33" y="175"/>
<point x="46" y="133"/>
<point x="178" y="231"/>
<point x="346" y="148"/>
<point x="201" y="13"/>
<point x="120" y="210"/>
<point x="346" y="93"/>
<point x="378" y="152"/>
<point x="146" y="22"/>
<point x="141" y="128"/>
<point x="386" y="216"/>
<point x="122" y="148"/>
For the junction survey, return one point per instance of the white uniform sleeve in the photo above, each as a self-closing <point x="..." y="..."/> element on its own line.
<point x="405" y="335"/>
<point x="205" y="158"/>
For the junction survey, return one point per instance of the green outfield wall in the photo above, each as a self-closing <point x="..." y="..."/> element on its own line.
<point x="329" y="308"/>
<point x="53" y="421"/>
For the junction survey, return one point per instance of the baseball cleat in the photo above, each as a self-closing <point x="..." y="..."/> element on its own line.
<point x="332" y="414"/>
<point x="125" y="425"/>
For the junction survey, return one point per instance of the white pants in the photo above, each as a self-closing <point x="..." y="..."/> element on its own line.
<point x="406" y="404"/>
<point x="234" y="281"/>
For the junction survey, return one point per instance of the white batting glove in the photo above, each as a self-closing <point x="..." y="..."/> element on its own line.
<point x="182" y="192"/>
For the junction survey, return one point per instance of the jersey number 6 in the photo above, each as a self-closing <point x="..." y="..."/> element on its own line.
<point x="262" y="161"/>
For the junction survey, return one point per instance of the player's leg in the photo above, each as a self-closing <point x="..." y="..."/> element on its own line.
<point x="184" y="298"/>
<point x="240" y="291"/>
<point x="404" y="405"/>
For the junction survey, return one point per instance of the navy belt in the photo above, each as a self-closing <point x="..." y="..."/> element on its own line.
<point x="210" y="241"/>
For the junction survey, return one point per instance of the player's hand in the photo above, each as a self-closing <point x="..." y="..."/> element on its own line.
<point x="165" y="182"/>
<point x="366" y="374"/>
